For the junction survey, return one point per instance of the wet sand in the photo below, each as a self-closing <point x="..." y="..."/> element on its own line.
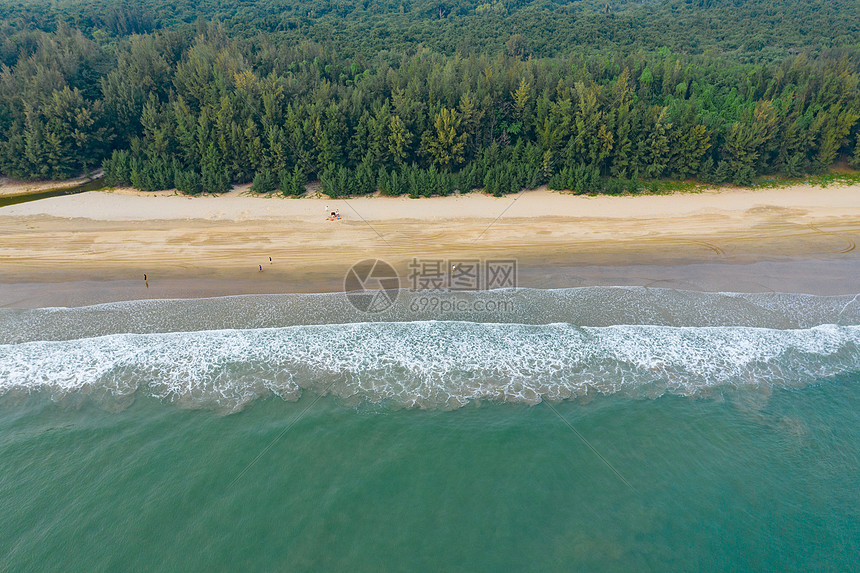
<point x="834" y="276"/>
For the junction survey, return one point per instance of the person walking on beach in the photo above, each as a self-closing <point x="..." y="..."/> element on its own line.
<point x="270" y="260"/>
<point x="261" y="268"/>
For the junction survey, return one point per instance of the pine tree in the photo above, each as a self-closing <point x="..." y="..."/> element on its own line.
<point x="213" y="174"/>
<point x="264" y="182"/>
<point x="855" y="159"/>
<point x="442" y="144"/>
<point x="188" y="182"/>
<point x="521" y="98"/>
<point x="298" y="180"/>
<point x="398" y="140"/>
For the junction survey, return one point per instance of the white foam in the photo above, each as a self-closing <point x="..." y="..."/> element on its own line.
<point x="428" y="364"/>
<point x="585" y="306"/>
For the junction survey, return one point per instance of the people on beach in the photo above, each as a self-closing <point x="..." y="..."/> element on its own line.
<point x="261" y="268"/>
<point x="270" y="260"/>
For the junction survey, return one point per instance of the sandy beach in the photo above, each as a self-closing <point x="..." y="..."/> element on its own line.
<point x="205" y="246"/>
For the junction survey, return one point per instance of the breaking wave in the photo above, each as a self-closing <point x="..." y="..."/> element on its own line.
<point x="427" y="364"/>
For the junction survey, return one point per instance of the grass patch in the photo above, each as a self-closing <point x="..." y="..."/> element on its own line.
<point x="838" y="178"/>
<point x="670" y="186"/>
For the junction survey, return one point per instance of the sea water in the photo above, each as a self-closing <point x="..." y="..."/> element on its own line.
<point x="575" y="429"/>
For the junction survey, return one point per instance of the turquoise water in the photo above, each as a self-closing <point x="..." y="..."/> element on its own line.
<point x="655" y="430"/>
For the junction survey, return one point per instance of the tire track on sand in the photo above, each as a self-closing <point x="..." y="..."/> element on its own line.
<point x="850" y="243"/>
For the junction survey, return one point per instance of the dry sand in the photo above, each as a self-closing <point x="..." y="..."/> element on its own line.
<point x="105" y="236"/>
<point x="239" y="205"/>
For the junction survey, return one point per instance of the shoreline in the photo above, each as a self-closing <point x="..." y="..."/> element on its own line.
<point x="99" y="244"/>
<point x="797" y="276"/>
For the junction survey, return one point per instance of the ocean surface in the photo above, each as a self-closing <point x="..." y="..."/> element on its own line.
<point x="600" y="428"/>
